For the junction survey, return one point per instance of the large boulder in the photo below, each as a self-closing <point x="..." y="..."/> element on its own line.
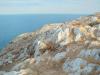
<point x="78" y="66"/>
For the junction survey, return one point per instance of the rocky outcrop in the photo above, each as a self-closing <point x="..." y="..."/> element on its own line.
<point x="55" y="49"/>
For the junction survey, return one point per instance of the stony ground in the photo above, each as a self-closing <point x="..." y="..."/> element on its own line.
<point x="57" y="49"/>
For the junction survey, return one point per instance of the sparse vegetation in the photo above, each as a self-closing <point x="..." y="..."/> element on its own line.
<point x="76" y="53"/>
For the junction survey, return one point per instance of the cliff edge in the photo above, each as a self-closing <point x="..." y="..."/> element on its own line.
<point x="56" y="49"/>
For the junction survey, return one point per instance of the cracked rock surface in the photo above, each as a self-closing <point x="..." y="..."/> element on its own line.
<point x="55" y="49"/>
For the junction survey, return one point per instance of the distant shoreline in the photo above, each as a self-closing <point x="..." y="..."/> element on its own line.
<point x="13" y="25"/>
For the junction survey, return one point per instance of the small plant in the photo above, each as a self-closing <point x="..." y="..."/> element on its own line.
<point x="48" y="45"/>
<point x="51" y="45"/>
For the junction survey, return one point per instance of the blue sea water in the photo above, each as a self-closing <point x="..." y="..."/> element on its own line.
<point x="13" y="25"/>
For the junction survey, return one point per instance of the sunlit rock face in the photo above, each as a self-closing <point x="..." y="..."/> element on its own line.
<point x="55" y="49"/>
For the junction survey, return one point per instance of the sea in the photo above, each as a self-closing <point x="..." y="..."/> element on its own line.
<point x="13" y="25"/>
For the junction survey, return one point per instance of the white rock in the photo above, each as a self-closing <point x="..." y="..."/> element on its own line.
<point x="94" y="19"/>
<point x="11" y="73"/>
<point x="93" y="53"/>
<point x="88" y="69"/>
<point x="74" y="65"/>
<point x="22" y="55"/>
<point x="17" y="67"/>
<point x="59" y="56"/>
<point x="61" y="36"/>
<point x="78" y="34"/>
<point x="37" y="52"/>
<point x="97" y="32"/>
<point x="66" y="37"/>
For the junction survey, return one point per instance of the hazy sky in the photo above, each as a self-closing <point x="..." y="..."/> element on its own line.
<point x="49" y="6"/>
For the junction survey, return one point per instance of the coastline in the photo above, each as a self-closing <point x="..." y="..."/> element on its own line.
<point x="71" y="48"/>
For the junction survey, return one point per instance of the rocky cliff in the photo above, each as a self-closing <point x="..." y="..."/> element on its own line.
<point x="56" y="49"/>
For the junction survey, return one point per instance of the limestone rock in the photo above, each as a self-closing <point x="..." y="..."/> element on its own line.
<point x="78" y="67"/>
<point x="93" y="53"/>
<point x="71" y="48"/>
<point x="59" y="56"/>
<point x="78" y="34"/>
<point x="9" y="73"/>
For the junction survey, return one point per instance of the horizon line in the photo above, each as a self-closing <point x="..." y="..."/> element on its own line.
<point x="44" y="13"/>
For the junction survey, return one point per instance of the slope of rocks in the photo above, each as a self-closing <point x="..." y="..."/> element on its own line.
<point x="55" y="49"/>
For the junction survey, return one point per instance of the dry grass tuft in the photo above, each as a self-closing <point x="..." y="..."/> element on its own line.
<point x="45" y="67"/>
